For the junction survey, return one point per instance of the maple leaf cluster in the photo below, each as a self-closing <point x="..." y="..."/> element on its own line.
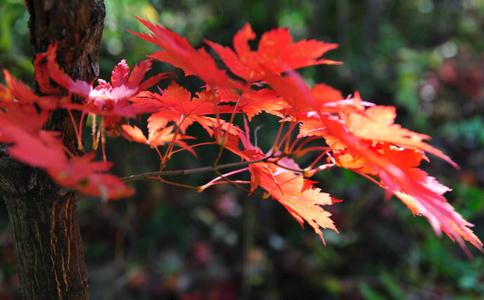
<point x="318" y="122"/>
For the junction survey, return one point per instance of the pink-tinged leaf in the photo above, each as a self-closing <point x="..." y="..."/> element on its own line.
<point x="120" y="74"/>
<point x="440" y="214"/>
<point x="106" y="98"/>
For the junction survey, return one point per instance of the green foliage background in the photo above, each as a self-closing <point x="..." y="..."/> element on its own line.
<point x="426" y="57"/>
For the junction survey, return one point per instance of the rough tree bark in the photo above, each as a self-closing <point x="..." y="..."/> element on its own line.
<point x="49" y="249"/>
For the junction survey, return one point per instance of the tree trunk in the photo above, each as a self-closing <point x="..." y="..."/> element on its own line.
<point x="49" y="249"/>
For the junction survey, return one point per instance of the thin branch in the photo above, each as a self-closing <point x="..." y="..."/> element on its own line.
<point x="151" y="175"/>
<point x="178" y="184"/>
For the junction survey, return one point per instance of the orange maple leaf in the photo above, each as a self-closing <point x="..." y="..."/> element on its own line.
<point x="303" y="202"/>
<point x="297" y="195"/>
<point x="357" y="144"/>
<point x="157" y="137"/>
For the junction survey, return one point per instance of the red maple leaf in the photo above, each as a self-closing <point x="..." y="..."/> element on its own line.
<point x="277" y="53"/>
<point x="176" y="104"/>
<point x="358" y="135"/>
<point x="21" y="128"/>
<point x="23" y="95"/>
<point x="178" y="52"/>
<point x="90" y="178"/>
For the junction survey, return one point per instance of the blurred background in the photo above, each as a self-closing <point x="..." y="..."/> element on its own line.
<point x="426" y="57"/>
